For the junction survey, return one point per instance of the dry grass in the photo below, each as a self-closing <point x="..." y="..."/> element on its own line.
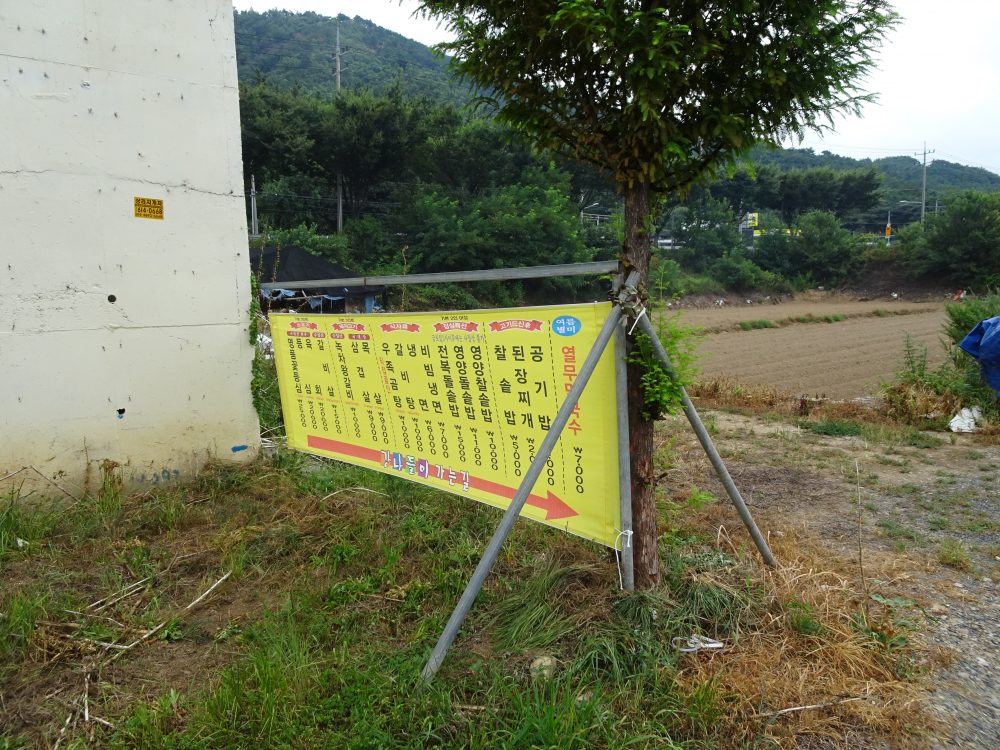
<point x="851" y="672"/>
<point x="726" y="393"/>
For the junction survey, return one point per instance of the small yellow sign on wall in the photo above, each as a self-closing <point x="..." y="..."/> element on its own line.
<point x="148" y="208"/>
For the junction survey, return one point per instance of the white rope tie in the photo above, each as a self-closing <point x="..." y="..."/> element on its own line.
<point x="637" y="319"/>
<point x="618" y="559"/>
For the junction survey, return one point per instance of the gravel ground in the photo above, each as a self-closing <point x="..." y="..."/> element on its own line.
<point x="916" y="502"/>
<point x="967" y="697"/>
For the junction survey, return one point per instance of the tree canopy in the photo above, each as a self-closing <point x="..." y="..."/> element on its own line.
<point x="658" y="94"/>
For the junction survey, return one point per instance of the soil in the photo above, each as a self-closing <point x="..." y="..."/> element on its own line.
<point x="842" y="359"/>
<point x="916" y="503"/>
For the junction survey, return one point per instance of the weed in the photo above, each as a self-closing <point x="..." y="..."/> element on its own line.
<point x="335" y="556"/>
<point x="753" y="325"/>
<point x="881" y="312"/>
<point x="835" y="318"/>
<point x="919" y="439"/>
<point x="174" y="630"/>
<point x="18" y="614"/>
<point x="137" y="559"/>
<point x="529" y="616"/>
<point x="938" y="523"/>
<point x="21" y="528"/>
<point x="895" y="530"/>
<point x="953" y="553"/>
<point x="109" y="495"/>
<point x="833" y="428"/>
<point x="801" y="618"/>
<point x="164" y="510"/>
<point x="229" y="631"/>
<point x="700" y="498"/>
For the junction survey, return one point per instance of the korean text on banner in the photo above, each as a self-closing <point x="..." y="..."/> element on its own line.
<point x="460" y="402"/>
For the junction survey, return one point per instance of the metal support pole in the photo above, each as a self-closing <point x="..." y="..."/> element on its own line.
<point x="254" y="230"/>
<point x="520" y="497"/>
<point x="624" y="460"/>
<point x="706" y="442"/>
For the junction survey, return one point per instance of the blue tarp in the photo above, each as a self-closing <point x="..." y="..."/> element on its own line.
<point x="983" y="343"/>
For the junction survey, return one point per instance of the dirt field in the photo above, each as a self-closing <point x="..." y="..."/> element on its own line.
<point x="845" y="358"/>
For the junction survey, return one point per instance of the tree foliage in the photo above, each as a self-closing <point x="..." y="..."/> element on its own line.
<point x="961" y="244"/>
<point x="659" y="92"/>
<point x="828" y="252"/>
<point x="295" y="50"/>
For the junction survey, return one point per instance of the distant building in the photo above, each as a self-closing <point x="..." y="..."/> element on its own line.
<point x="290" y="264"/>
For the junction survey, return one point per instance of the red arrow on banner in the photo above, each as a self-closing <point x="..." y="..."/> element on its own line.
<point x="553" y="506"/>
<point x="344" y="449"/>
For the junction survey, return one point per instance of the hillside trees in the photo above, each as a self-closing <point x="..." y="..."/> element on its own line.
<point x="822" y="248"/>
<point x="294" y="49"/>
<point x="659" y="94"/>
<point x="960" y="244"/>
<point x="456" y="192"/>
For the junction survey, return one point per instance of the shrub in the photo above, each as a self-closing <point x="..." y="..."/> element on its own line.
<point x="752" y="325"/>
<point x="920" y="390"/>
<point x="736" y="271"/>
<point x="961" y="244"/>
<point x="829" y="252"/>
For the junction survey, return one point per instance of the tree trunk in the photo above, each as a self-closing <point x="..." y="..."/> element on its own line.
<point x="636" y="252"/>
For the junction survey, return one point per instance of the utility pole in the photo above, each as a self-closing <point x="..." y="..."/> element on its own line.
<point x="340" y="179"/>
<point x="923" y="193"/>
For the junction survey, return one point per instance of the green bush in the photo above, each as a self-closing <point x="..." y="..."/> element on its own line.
<point x="966" y="378"/>
<point x="753" y="325"/>
<point x="833" y="428"/>
<point x="920" y="389"/>
<point x="333" y="247"/>
<point x="828" y="252"/>
<point x="736" y="271"/>
<point x="961" y="244"/>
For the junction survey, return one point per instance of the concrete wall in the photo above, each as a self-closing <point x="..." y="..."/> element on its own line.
<point x="121" y="338"/>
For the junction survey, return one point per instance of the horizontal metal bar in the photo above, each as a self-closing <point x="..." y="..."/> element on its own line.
<point x="490" y="274"/>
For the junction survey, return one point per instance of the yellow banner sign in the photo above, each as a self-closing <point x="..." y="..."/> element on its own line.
<point x="460" y="402"/>
<point x="148" y="208"/>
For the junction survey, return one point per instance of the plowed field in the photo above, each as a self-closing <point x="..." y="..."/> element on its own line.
<point x="842" y="359"/>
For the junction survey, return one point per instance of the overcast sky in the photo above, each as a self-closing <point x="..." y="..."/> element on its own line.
<point x="938" y="79"/>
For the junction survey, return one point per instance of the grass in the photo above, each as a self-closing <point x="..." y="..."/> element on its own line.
<point x="899" y="532"/>
<point x="954" y="554"/>
<point x="341" y="582"/>
<point x="753" y="325"/>
<point x="832" y="428"/>
<point x="19" y="612"/>
<point x="22" y="527"/>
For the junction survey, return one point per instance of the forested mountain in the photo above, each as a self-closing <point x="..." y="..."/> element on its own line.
<point x="942" y="175"/>
<point x="297" y="50"/>
<point x="902" y="176"/>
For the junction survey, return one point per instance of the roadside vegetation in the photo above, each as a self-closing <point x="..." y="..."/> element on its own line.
<point x="335" y="583"/>
<point x="930" y="396"/>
